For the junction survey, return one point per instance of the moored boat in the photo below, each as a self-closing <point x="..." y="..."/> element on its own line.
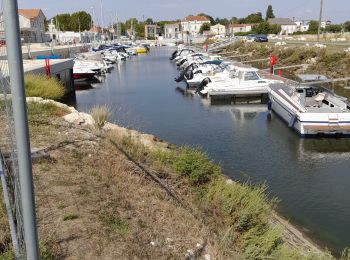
<point x="310" y="110"/>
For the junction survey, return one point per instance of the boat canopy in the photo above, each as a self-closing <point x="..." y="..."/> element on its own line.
<point x="214" y="62"/>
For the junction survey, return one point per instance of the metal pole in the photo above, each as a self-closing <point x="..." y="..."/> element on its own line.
<point x="8" y="210"/>
<point x="319" y="22"/>
<point x="14" y="55"/>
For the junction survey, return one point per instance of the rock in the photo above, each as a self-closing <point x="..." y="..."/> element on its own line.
<point x="207" y="257"/>
<point x="189" y="255"/>
<point x="88" y="120"/>
<point x="73" y="118"/>
<point x="34" y="99"/>
<point x="280" y="43"/>
<point x="229" y="181"/>
<point x="321" y="46"/>
<point x="79" y="118"/>
<point x="312" y="61"/>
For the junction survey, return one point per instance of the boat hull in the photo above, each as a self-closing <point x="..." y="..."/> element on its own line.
<point x="83" y="76"/>
<point x="309" y="124"/>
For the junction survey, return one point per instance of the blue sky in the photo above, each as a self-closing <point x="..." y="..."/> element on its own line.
<point x="335" y="10"/>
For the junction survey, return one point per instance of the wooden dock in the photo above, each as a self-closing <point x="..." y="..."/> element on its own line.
<point x="239" y="97"/>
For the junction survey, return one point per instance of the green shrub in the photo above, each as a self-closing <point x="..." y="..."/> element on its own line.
<point x="244" y="205"/>
<point x="242" y="33"/>
<point x="44" y="87"/>
<point x="162" y="156"/>
<point x="196" y="165"/>
<point x="260" y="242"/>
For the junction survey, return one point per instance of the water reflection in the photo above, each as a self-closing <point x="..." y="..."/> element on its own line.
<point x="315" y="149"/>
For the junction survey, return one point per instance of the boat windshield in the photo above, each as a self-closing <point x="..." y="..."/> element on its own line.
<point x="251" y="75"/>
<point x="218" y="69"/>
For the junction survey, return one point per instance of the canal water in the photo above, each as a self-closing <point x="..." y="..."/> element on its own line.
<point x="311" y="177"/>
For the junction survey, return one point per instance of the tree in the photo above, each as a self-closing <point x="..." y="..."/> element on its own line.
<point x="334" y="28"/>
<point x="275" y="29"/>
<point x="262" y="28"/>
<point x="149" y="21"/>
<point x="73" y="22"/>
<point x="313" y="27"/>
<point x="63" y="22"/>
<point x="204" y="27"/>
<point x="346" y="26"/>
<point x="234" y="20"/>
<point x="269" y="13"/>
<point x="222" y="21"/>
<point x="211" y="19"/>
<point x="252" y="18"/>
<point x="265" y="28"/>
<point x="81" y="20"/>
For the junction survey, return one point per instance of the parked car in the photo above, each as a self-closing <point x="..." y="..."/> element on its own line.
<point x="261" y="38"/>
<point x="250" y="38"/>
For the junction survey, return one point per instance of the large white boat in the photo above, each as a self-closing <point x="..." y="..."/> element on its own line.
<point x="243" y="81"/>
<point x="310" y="110"/>
<point x="212" y="71"/>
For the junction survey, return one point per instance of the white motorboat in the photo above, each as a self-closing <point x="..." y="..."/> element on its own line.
<point x="211" y="71"/>
<point x="243" y="81"/>
<point x="82" y="73"/>
<point x="310" y="110"/>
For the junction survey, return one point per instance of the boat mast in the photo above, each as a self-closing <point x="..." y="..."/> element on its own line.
<point x="102" y="19"/>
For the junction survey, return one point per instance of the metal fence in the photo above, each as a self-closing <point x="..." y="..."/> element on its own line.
<point x="15" y="160"/>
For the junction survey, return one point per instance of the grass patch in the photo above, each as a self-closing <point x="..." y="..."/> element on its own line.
<point x="114" y="223"/>
<point x="47" y="110"/>
<point x="100" y="114"/>
<point x="70" y="216"/>
<point x="42" y="86"/>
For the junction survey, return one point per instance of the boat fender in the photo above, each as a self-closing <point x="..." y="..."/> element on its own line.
<point x="182" y="62"/>
<point x="189" y="74"/>
<point x="292" y="121"/>
<point x="269" y="105"/>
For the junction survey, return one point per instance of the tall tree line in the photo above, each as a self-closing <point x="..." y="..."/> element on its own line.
<point x="73" y="22"/>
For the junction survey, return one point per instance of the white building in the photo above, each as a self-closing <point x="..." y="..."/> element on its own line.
<point x="172" y="31"/>
<point x="235" y="28"/>
<point x="302" y="26"/>
<point x="71" y="37"/>
<point x="192" y="24"/>
<point x="218" y="29"/>
<point x="287" y="25"/>
<point x="32" y="25"/>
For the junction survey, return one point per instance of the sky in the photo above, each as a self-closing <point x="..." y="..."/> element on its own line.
<point x="337" y="11"/>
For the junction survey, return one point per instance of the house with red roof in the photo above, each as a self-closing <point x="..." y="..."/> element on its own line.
<point x="191" y="24"/>
<point x="32" y="25"/>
